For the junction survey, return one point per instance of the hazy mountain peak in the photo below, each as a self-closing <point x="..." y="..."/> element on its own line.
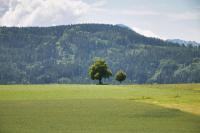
<point x="184" y="42"/>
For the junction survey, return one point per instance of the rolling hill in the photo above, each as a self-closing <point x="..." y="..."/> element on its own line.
<point x="63" y="54"/>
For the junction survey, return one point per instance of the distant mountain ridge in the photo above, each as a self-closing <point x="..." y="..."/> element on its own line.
<point x="63" y="54"/>
<point x="183" y="42"/>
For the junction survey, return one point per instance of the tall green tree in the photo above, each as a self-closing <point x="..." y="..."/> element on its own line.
<point x="120" y="76"/>
<point x="99" y="70"/>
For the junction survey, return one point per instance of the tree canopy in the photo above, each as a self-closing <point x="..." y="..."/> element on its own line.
<point x="120" y="76"/>
<point x="99" y="70"/>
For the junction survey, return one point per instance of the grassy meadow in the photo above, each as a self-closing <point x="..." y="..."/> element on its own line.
<point x="100" y="108"/>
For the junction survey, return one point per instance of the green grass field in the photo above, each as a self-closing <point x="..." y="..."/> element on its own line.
<point x="100" y="109"/>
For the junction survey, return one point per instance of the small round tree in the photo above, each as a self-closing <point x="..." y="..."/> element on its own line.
<point x="99" y="70"/>
<point x="120" y="76"/>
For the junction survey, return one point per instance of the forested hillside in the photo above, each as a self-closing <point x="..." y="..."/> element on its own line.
<point x="63" y="54"/>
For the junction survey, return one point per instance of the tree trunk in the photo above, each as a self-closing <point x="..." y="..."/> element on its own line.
<point x="100" y="81"/>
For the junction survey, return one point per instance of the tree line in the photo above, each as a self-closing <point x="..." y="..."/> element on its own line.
<point x="63" y="54"/>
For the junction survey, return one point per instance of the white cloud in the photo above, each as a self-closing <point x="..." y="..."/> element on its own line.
<point x="3" y="6"/>
<point x="62" y="12"/>
<point x="147" y="33"/>
<point x="41" y="12"/>
<point x="184" y="16"/>
<point x="59" y="12"/>
<point x="99" y="3"/>
<point x="139" y="13"/>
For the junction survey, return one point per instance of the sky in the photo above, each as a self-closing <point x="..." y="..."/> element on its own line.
<point x="165" y="19"/>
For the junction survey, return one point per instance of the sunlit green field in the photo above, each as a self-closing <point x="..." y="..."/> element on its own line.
<point x="100" y="109"/>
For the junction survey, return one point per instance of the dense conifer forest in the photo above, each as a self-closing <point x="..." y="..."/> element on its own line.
<point x="63" y="54"/>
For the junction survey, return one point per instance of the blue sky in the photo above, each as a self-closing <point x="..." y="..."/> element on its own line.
<point x="161" y="18"/>
<point x="158" y="18"/>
